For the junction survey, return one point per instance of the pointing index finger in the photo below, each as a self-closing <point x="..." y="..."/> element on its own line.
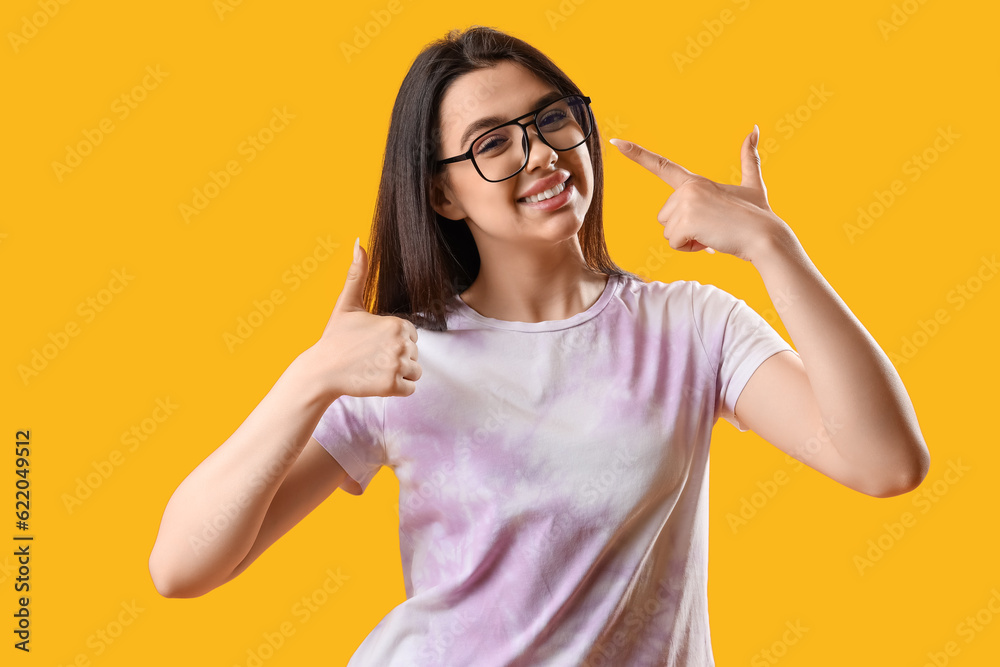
<point x="669" y="171"/>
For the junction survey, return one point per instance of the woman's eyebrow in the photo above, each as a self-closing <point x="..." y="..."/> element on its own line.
<point x="492" y="121"/>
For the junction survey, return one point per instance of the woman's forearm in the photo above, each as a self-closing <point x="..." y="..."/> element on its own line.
<point x="851" y="377"/>
<point x="213" y="517"/>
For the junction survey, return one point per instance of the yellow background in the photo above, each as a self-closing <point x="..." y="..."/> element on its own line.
<point x="162" y="335"/>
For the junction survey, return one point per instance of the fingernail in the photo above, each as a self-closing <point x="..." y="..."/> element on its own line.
<point x="710" y="251"/>
<point x="357" y="249"/>
<point x="754" y="135"/>
<point x="619" y="144"/>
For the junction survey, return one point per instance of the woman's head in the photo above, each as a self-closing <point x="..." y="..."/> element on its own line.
<point x="419" y="258"/>
<point x="496" y="211"/>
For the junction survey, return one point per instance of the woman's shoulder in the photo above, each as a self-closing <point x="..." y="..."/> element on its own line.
<point x="663" y="289"/>
<point x="681" y="296"/>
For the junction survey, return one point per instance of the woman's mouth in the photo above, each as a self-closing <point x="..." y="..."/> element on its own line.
<point x="551" y="199"/>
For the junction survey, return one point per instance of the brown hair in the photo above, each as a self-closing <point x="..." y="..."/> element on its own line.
<point x="441" y="258"/>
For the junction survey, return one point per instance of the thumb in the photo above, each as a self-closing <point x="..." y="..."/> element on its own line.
<point x="352" y="296"/>
<point x="750" y="161"/>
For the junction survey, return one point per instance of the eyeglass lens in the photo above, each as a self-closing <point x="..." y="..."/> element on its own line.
<point x="500" y="153"/>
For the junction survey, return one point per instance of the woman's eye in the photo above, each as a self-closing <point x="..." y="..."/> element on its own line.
<point x="553" y="118"/>
<point x="490" y="143"/>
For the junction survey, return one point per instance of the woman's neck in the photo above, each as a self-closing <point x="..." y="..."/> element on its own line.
<point x="533" y="288"/>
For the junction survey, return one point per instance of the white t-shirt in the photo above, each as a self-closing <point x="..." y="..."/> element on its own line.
<point x="553" y="479"/>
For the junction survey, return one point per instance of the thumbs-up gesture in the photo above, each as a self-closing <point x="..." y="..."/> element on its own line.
<point x="701" y="213"/>
<point x="371" y="355"/>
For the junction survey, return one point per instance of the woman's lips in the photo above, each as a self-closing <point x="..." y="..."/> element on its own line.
<point x="554" y="202"/>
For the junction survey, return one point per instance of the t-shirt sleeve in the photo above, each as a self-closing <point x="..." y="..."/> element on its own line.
<point x="351" y="431"/>
<point x="737" y="340"/>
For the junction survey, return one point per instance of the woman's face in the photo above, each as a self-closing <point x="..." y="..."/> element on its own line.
<point x="495" y="212"/>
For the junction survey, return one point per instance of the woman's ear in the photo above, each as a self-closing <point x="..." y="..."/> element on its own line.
<point x="443" y="200"/>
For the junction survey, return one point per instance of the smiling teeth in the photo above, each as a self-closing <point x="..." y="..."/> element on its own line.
<point x="542" y="196"/>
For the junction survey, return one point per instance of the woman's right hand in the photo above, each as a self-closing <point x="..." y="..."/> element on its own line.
<point x="366" y="354"/>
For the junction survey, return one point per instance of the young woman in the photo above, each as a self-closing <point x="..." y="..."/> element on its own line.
<point x="551" y="443"/>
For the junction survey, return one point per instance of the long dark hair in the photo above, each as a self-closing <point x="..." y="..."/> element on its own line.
<point x="419" y="260"/>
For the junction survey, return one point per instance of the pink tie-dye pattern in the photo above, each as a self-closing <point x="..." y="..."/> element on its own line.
<point x="553" y="479"/>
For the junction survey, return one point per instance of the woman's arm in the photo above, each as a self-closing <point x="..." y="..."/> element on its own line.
<point x="310" y="481"/>
<point x="213" y="517"/>
<point x="841" y="408"/>
<point x="234" y="504"/>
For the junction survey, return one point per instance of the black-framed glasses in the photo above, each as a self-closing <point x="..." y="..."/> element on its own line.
<point x="502" y="152"/>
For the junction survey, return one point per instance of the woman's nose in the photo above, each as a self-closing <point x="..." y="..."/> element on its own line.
<point x="539" y="152"/>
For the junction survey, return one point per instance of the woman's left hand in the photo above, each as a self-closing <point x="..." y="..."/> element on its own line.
<point x="735" y="219"/>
